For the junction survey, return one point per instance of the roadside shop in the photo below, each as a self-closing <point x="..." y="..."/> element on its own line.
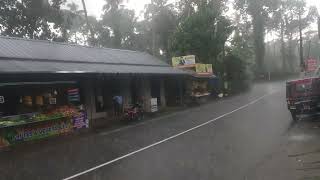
<point x="36" y="110"/>
<point x="197" y="86"/>
<point x="49" y="89"/>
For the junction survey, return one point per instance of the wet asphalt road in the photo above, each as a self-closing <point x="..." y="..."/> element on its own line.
<point x="228" y="148"/>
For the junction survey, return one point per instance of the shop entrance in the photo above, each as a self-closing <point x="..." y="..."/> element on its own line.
<point x="155" y="89"/>
<point x="174" y="91"/>
<point x="105" y="91"/>
<point x="37" y="110"/>
<point x="30" y="97"/>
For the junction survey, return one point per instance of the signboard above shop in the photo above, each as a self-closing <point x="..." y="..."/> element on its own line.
<point x="311" y="65"/>
<point x="184" y="61"/>
<point x="204" y="68"/>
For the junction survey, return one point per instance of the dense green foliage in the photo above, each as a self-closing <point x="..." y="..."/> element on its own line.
<point x="30" y="18"/>
<point x="203" y="34"/>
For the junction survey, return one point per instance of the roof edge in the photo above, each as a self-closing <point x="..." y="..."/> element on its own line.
<point x="79" y="62"/>
<point x="67" y="44"/>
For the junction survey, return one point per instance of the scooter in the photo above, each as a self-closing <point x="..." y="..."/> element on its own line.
<point x="135" y="112"/>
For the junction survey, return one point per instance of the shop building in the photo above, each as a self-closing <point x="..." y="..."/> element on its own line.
<point x="51" y="88"/>
<point x="201" y="82"/>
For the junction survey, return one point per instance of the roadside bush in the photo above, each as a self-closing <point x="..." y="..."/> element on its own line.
<point x="238" y="74"/>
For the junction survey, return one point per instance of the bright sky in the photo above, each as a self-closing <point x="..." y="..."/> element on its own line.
<point x="94" y="7"/>
<point x="314" y="3"/>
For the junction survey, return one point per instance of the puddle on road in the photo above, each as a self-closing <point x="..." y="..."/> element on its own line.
<point x="301" y="137"/>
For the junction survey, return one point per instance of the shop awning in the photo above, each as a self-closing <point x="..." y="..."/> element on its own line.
<point x="208" y="76"/>
<point x="36" y="83"/>
<point x="31" y="56"/>
<point x="194" y="74"/>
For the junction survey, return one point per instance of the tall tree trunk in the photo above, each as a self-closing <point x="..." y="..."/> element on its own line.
<point x="291" y="52"/>
<point x="259" y="46"/>
<point x="91" y="41"/>
<point x="302" y="65"/>
<point x="319" y="27"/>
<point x="283" y="49"/>
<point x="153" y="42"/>
<point x="153" y="33"/>
<point x="117" y="38"/>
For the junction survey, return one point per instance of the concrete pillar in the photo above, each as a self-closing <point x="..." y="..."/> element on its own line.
<point x="146" y="93"/>
<point x="126" y="91"/>
<point x="162" y="94"/>
<point x="88" y="95"/>
<point x="180" y="91"/>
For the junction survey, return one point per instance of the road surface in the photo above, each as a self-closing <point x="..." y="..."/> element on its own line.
<point x="221" y="140"/>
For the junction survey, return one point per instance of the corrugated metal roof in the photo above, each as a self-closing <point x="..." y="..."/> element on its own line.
<point x="27" y="56"/>
<point x="26" y="66"/>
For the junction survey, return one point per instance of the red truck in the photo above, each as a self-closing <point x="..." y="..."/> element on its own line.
<point x="303" y="96"/>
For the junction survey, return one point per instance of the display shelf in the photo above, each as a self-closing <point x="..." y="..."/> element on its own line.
<point x="27" y="122"/>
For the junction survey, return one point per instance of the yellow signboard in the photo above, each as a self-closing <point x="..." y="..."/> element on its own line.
<point x="183" y="60"/>
<point x="204" y="68"/>
<point x="200" y="68"/>
<point x="209" y="68"/>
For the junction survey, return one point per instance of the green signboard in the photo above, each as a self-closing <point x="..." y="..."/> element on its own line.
<point x="40" y="130"/>
<point x="204" y="68"/>
<point x="14" y="135"/>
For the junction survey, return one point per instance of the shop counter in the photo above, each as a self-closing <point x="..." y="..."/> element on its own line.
<point x="28" y="130"/>
<point x="27" y="122"/>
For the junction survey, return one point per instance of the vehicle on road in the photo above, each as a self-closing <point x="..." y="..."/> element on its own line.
<point x="303" y="95"/>
<point x="134" y="112"/>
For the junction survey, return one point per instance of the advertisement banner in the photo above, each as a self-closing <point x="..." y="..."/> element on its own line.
<point x="154" y="104"/>
<point x="1" y="99"/>
<point x="311" y="65"/>
<point x="200" y="68"/>
<point x="14" y="135"/>
<point x="204" y="68"/>
<point x="209" y="68"/>
<point x="183" y="60"/>
<point x="80" y="121"/>
<point x="39" y="130"/>
<point x="74" y="95"/>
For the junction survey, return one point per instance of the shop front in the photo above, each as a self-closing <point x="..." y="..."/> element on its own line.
<point x="49" y="89"/>
<point x="37" y="110"/>
<point x="198" y="84"/>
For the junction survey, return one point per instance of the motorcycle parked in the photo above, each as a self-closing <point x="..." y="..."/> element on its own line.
<point x="133" y="113"/>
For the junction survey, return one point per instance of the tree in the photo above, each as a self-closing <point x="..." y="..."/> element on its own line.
<point x="29" y="18"/>
<point x="92" y="39"/>
<point x="70" y="22"/>
<point x="120" y="22"/>
<point x="160" y="21"/>
<point x="203" y="34"/>
<point x="240" y="55"/>
<point x="260" y="11"/>
<point x="291" y="18"/>
<point x="242" y="43"/>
